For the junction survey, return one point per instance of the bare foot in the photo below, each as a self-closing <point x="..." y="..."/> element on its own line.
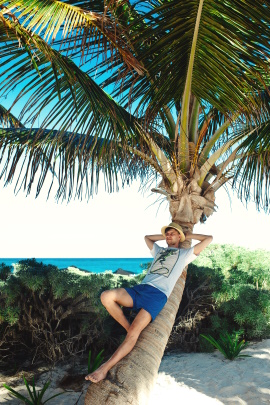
<point x="97" y="375"/>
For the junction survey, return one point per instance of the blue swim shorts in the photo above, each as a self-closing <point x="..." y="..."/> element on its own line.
<point x="147" y="297"/>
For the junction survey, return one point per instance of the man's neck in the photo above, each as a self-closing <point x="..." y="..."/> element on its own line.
<point x="174" y="246"/>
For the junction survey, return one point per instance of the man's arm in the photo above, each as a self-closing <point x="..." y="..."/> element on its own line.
<point x="205" y="240"/>
<point x="151" y="239"/>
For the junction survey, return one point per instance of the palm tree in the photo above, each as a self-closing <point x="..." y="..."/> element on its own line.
<point x="189" y="109"/>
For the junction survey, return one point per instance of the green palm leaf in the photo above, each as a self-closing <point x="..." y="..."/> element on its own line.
<point x="229" y="61"/>
<point x="9" y="120"/>
<point x="51" y="17"/>
<point x="31" y="395"/>
<point x="253" y="168"/>
<point x="17" y="395"/>
<point x="73" y="95"/>
<point x="78" y="102"/>
<point x="78" y="159"/>
<point x="35" y="397"/>
<point x="228" y="345"/>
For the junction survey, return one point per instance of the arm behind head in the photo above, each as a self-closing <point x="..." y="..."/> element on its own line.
<point x="205" y="240"/>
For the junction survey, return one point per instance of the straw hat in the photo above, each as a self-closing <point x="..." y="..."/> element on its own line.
<point x="175" y="226"/>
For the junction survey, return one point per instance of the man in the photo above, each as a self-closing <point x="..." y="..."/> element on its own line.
<point x="151" y="295"/>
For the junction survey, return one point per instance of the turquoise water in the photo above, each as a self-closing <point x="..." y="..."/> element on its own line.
<point x="135" y="265"/>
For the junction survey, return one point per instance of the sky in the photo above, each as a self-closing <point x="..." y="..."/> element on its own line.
<point x="112" y="225"/>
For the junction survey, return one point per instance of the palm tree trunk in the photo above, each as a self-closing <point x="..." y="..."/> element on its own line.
<point x="132" y="379"/>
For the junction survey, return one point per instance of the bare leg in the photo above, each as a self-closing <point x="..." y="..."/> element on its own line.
<point x="140" y="322"/>
<point x="112" y="299"/>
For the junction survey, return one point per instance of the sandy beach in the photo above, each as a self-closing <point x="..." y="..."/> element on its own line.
<point x="183" y="377"/>
<point x="210" y="379"/>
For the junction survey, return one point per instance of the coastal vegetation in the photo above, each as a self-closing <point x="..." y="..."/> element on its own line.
<point x="49" y="314"/>
<point x="175" y="93"/>
<point x="227" y="290"/>
<point x="230" y="345"/>
<point x="35" y="396"/>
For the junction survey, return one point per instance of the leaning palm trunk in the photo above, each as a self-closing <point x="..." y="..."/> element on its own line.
<point x="132" y="379"/>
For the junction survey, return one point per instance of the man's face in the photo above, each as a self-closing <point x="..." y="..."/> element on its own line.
<point x="172" y="238"/>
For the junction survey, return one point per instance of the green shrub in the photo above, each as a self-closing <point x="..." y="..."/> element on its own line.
<point x="35" y="397"/>
<point x="50" y="313"/>
<point x="5" y="271"/>
<point x="230" y="345"/>
<point x="94" y="362"/>
<point x="227" y="289"/>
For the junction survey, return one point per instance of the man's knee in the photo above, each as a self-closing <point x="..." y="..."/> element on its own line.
<point x="106" y="297"/>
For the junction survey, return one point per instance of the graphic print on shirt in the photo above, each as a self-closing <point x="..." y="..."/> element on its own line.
<point x="165" y="262"/>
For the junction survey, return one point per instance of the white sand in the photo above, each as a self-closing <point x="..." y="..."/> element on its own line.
<point x="194" y="378"/>
<point x="210" y="379"/>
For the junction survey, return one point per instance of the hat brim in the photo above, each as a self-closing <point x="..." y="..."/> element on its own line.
<point x="178" y="230"/>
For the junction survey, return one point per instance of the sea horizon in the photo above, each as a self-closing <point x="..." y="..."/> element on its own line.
<point x="96" y="265"/>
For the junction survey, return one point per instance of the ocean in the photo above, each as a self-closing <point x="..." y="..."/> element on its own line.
<point x="95" y="265"/>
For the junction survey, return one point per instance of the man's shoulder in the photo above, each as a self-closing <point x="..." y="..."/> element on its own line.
<point x="185" y="251"/>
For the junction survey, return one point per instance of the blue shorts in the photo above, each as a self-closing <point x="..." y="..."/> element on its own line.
<point x="147" y="297"/>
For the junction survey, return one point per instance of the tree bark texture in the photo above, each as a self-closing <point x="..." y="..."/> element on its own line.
<point x="132" y="379"/>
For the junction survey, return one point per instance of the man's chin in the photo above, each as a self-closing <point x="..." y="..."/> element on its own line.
<point x="171" y="245"/>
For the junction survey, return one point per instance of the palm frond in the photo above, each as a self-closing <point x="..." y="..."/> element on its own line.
<point x="210" y="162"/>
<point x="183" y="149"/>
<point x="213" y="141"/>
<point x="76" y="160"/>
<point x="78" y="106"/>
<point x="252" y="173"/>
<point x="210" y="120"/>
<point x="230" y="63"/>
<point x="9" y="120"/>
<point x="71" y="97"/>
<point x="52" y="17"/>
